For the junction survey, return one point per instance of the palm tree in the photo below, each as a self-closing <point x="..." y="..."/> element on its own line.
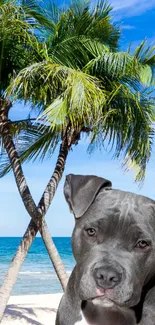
<point x="16" y="52"/>
<point x="86" y="85"/>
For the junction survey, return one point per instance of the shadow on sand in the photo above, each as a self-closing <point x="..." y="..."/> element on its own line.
<point x="26" y="313"/>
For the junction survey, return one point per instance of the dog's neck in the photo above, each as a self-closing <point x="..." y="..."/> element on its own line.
<point x="98" y="315"/>
<point x="138" y="309"/>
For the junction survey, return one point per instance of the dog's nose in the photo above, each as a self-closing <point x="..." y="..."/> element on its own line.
<point x="107" y="278"/>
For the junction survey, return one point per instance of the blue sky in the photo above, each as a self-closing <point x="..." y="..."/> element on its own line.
<point x="137" y="21"/>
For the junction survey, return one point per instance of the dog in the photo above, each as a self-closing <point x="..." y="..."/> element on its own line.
<point x="113" y="242"/>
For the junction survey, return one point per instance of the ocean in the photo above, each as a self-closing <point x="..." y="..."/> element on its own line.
<point x="37" y="275"/>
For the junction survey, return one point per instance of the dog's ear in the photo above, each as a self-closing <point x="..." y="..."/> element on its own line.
<point x="80" y="191"/>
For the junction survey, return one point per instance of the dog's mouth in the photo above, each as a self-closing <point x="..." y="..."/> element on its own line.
<point x="103" y="301"/>
<point x="103" y="297"/>
<point x="106" y="302"/>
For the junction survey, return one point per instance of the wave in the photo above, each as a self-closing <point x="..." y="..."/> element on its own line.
<point x="30" y="272"/>
<point x="41" y="275"/>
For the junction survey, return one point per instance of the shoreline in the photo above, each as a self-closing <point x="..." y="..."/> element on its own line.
<point x="32" y="309"/>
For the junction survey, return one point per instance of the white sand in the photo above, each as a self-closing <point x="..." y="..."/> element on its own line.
<point x="33" y="310"/>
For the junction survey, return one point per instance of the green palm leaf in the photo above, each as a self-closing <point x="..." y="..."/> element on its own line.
<point x="78" y="78"/>
<point x="73" y="92"/>
<point x="32" y="142"/>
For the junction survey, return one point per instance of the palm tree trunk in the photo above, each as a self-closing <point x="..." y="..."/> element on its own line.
<point x="38" y="223"/>
<point x="18" y="260"/>
<point x="54" y="255"/>
<point x="43" y="206"/>
<point x="15" y="266"/>
<point x="38" y="213"/>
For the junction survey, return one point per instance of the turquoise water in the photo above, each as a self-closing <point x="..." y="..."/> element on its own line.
<point x="37" y="275"/>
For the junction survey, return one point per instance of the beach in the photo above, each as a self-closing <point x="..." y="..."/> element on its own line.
<point x="37" y="292"/>
<point x="37" y="276"/>
<point x="32" y="309"/>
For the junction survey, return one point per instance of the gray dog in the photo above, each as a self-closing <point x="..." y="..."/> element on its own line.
<point x="113" y="282"/>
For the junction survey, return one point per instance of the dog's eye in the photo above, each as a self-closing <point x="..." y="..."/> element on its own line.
<point x="91" y="231"/>
<point x="142" y="244"/>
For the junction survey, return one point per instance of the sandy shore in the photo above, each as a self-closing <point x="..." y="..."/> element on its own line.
<point x="34" y="310"/>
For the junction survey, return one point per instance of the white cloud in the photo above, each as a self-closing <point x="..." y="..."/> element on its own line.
<point x="131" y="7"/>
<point x="127" y="27"/>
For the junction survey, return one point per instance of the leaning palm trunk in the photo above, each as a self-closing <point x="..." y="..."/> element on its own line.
<point x="18" y="260"/>
<point x="40" y="224"/>
<point x="15" y="266"/>
<point x="54" y="255"/>
<point x="36" y="213"/>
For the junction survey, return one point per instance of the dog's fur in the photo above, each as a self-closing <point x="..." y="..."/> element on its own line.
<point x="113" y="243"/>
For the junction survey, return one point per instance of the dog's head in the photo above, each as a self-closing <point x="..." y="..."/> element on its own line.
<point x="113" y="240"/>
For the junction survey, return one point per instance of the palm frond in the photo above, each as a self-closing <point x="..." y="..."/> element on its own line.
<point x="5" y="166"/>
<point x="128" y="127"/>
<point x="2" y="2"/>
<point x="146" y="56"/>
<point x="79" y="78"/>
<point x="68" y="93"/>
<point x="43" y="146"/>
<point x="113" y="65"/>
<point x="38" y="14"/>
<point x="18" y="126"/>
<point x="79" y="6"/>
<point x="33" y="142"/>
<point x="118" y="65"/>
<point x="16" y="42"/>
